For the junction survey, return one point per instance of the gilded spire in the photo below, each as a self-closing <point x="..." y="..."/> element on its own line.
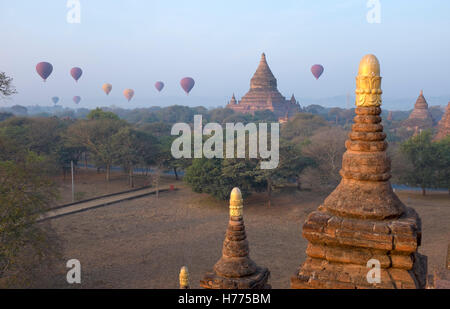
<point x="368" y="82"/>
<point x="184" y="278"/>
<point x="236" y="203"/>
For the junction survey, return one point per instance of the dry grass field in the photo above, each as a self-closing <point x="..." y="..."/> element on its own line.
<point x="143" y="243"/>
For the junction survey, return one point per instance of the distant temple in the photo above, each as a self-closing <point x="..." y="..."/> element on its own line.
<point x="420" y="117"/>
<point x="444" y="124"/>
<point x="264" y="95"/>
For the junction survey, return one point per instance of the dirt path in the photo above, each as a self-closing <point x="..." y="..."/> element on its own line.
<point x="99" y="202"/>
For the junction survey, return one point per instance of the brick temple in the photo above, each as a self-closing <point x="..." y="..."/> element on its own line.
<point x="444" y="124"/>
<point x="264" y="95"/>
<point x="420" y="117"/>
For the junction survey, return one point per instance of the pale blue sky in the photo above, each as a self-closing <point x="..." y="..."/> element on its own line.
<point x="132" y="44"/>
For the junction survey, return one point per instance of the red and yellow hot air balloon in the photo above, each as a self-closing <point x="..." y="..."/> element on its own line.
<point x="128" y="93"/>
<point x="107" y="88"/>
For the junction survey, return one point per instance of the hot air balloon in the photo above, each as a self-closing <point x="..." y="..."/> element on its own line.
<point x="76" y="73"/>
<point x="76" y="99"/>
<point x="55" y="100"/>
<point x="187" y="84"/>
<point x="128" y="93"/>
<point x="317" y="70"/>
<point x="107" y="88"/>
<point x="44" y="69"/>
<point x="159" y="86"/>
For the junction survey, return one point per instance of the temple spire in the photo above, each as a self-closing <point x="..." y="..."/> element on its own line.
<point x="363" y="219"/>
<point x="293" y="100"/>
<point x="235" y="269"/>
<point x="184" y="278"/>
<point x="421" y="102"/>
<point x="233" y="100"/>
<point x="263" y="77"/>
<point x="263" y="58"/>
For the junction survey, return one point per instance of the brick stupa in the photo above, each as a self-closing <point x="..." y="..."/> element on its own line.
<point x="363" y="219"/>
<point x="264" y="95"/>
<point x="420" y="117"/>
<point x="235" y="269"/>
<point x="444" y="124"/>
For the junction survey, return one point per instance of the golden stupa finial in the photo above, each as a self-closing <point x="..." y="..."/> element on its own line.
<point x="368" y="82"/>
<point x="421" y="92"/>
<point x="184" y="278"/>
<point x="236" y="203"/>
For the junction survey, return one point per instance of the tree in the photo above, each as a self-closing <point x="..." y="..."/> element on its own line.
<point x="158" y="129"/>
<point x="44" y="136"/>
<point x="165" y="159"/>
<point x="302" y="126"/>
<point x="423" y="155"/>
<point x="205" y="176"/>
<point x="326" y="148"/>
<point x="97" y="136"/>
<point x="292" y="164"/>
<point x="218" y="176"/>
<point x="220" y="114"/>
<point x="443" y="162"/>
<point x="4" y="116"/>
<point x="25" y="193"/>
<point x="98" y="113"/>
<point x="19" y="110"/>
<point x="133" y="147"/>
<point x="315" y="109"/>
<point x="65" y="154"/>
<point x="6" y="87"/>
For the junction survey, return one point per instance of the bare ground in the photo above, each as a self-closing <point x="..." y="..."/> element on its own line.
<point x="143" y="243"/>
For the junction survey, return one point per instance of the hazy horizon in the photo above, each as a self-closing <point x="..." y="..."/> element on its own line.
<point x="133" y="44"/>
